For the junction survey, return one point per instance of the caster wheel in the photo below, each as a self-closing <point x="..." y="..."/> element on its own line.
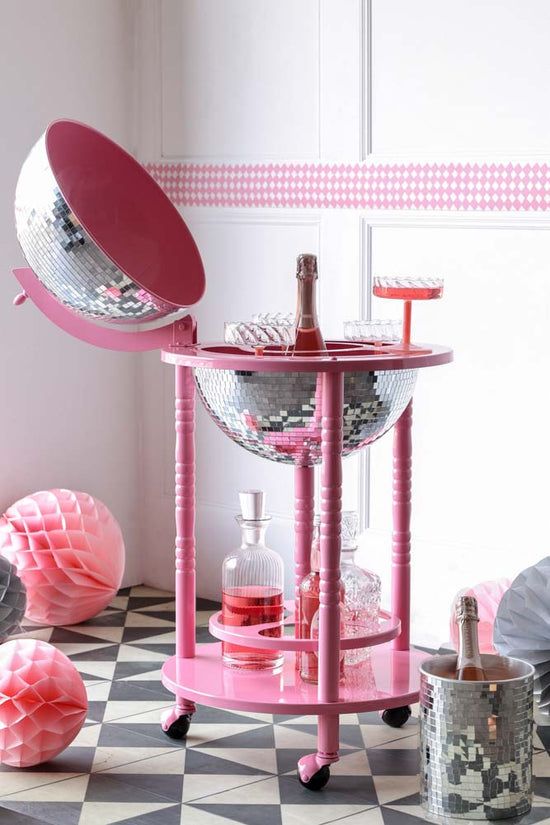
<point x="318" y="780"/>
<point x="396" y="717"/>
<point x="179" y="728"/>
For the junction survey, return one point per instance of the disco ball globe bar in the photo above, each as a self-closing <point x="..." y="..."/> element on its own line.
<point x="107" y="245"/>
<point x="277" y="415"/>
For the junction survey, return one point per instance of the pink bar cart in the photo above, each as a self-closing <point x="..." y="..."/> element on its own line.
<point x="92" y="266"/>
<point x="389" y="682"/>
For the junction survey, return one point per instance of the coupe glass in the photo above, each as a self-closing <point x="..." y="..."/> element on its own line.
<point x="388" y="331"/>
<point x="264" y="329"/>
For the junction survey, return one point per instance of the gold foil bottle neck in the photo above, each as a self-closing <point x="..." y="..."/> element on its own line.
<point x="306" y="266"/>
<point x="466" y="609"/>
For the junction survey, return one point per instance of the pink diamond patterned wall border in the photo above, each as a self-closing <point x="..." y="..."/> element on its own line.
<point x="496" y="187"/>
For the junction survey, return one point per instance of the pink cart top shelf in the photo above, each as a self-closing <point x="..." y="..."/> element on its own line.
<point x="342" y="356"/>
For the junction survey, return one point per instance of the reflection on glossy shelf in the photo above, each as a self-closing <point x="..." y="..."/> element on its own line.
<point x="388" y="678"/>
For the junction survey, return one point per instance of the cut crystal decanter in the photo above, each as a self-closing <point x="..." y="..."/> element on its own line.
<point x="361" y="591"/>
<point x="309" y="600"/>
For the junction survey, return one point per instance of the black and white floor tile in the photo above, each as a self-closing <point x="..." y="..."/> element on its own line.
<point x="234" y="767"/>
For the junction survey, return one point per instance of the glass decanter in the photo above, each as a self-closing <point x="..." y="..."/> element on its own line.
<point x="361" y="591"/>
<point x="252" y="587"/>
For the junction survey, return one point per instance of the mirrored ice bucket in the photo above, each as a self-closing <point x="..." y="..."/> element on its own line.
<point x="476" y="740"/>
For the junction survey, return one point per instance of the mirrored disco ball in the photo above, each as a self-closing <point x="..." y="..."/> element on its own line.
<point x="278" y="415"/>
<point x="64" y="257"/>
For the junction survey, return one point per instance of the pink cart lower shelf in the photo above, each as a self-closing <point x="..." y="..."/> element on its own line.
<point x="388" y="679"/>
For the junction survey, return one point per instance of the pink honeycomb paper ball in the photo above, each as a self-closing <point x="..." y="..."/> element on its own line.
<point x="43" y="702"/>
<point x="68" y="550"/>
<point x="488" y="595"/>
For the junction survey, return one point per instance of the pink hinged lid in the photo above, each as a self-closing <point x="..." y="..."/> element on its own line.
<point x="125" y="212"/>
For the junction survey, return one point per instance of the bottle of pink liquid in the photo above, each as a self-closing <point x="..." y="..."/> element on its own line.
<point x="309" y="339"/>
<point x="309" y="602"/>
<point x="252" y="587"/>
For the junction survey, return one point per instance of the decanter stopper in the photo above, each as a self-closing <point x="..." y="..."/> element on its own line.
<point x="350" y="528"/>
<point x="252" y="505"/>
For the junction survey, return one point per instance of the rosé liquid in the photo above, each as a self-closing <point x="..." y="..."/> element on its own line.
<point x="308" y="661"/>
<point x="470" y="673"/>
<point x="245" y="606"/>
<point x="408" y="293"/>
<point x="491" y="673"/>
<point x="309" y="340"/>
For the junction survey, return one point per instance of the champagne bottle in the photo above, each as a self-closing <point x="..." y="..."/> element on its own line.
<point x="468" y="666"/>
<point x="308" y="334"/>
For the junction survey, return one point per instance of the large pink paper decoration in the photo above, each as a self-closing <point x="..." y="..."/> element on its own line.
<point x="488" y="595"/>
<point x="69" y="552"/>
<point x="43" y="702"/>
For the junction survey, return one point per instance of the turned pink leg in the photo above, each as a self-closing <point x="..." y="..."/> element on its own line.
<point x="304" y="506"/>
<point x="185" y="530"/>
<point x="401" y="540"/>
<point x="329" y="609"/>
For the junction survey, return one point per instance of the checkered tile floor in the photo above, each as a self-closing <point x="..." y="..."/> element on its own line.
<point x="234" y="767"/>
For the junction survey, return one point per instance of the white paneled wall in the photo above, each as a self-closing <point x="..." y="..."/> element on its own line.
<point x="222" y="75"/>
<point x="481" y="450"/>
<point x="257" y="80"/>
<point x="460" y="79"/>
<point x="68" y="413"/>
<point x="251" y="81"/>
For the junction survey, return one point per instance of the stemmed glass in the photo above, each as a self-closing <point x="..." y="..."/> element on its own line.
<point x="407" y="290"/>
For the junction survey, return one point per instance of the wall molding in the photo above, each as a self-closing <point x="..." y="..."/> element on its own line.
<point x="451" y="187"/>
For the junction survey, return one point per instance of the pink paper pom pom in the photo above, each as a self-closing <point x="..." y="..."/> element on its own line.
<point x="68" y="550"/>
<point x="43" y="702"/>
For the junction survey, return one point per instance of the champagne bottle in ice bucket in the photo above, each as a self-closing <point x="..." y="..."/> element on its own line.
<point x="468" y="665"/>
